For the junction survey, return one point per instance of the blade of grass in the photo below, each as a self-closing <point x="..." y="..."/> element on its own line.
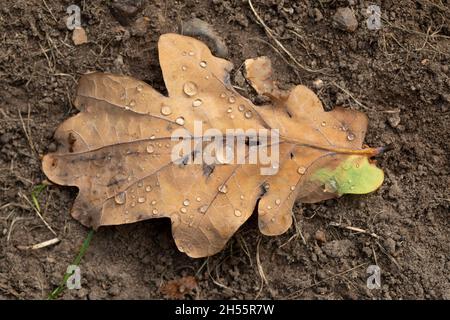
<point x="55" y="293"/>
<point x="35" y="194"/>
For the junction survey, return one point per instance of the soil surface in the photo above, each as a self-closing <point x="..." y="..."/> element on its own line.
<point x="398" y="75"/>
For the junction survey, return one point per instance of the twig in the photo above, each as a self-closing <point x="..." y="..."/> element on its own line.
<point x="359" y="230"/>
<point x="260" y="270"/>
<point x="37" y="212"/>
<point x="48" y="9"/>
<point x="27" y="130"/>
<point x="270" y="34"/>
<point x="388" y="255"/>
<point x="40" y="245"/>
<point x="351" y="96"/>
<point x="11" y="226"/>
<point x="296" y="293"/>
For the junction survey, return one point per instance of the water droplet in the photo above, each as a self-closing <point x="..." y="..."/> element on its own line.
<point x="197" y="103"/>
<point x="203" y="208"/>
<point x="323" y="124"/>
<point x="183" y="210"/>
<point x="203" y="64"/>
<point x="278" y="202"/>
<point x="223" y="189"/>
<point x="248" y="114"/>
<point x="148" y="188"/>
<point x="237" y="213"/>
<point x="232" y="116"/>
<point x="198" y="199"/>
<point x="292" y="188"/>
<point x="153" y="137"/>
<point x="132" y="104"/>
<point x="139" y="88"/>
<point x="350" y="136"/>
<point x="230" y="110"/>
<point x="241" y="107"/>
<point x="231" y="99"/>
<point x="269" y="207"/>
<point x="190" y="88"/>
<point x="266" y="186"/>
<point x="150" y="148"/>
<point x="184" y="68"/>
<point x="133" y="204"/>
<point x="180" y="121"/>
<point x="223" y="95"/>
<point x="155" y="211"/>
<point x="153" y="202"/>
<point x="191" y="53"/>
<point x="352" y="187"/>
<point x="301" y="170"/>
<point x="166" y="110"/>
<point x="273" y="219"/>
<point x="186" y="202"/>
<point x="140" y="184"/>
<point x="242" y="197"/>
<point x="184" y="53"/>
<point x="141" y="199"/>
<point x="120" y="198"/>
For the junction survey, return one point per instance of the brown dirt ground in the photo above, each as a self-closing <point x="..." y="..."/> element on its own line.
<point x="402" y="67"/>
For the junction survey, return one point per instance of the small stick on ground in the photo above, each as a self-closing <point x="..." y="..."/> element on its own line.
<point x="351" y="96"/>
<point x="11" y="226"/>
<point x="262" y="275"/>
<point x="40" y="245"/>
<point x="271" y="35"/>
<point x="388" y="255"/>
<point x="298" y="292"/>
<point x="359" y="230"/>
<point x="37" y="212"/>
<point x="26" y="130"/>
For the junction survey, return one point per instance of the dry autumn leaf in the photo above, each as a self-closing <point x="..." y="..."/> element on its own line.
<point x="118" y="150"/>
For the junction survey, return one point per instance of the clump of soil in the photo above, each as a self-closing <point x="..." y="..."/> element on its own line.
<point x="399" y="75"/>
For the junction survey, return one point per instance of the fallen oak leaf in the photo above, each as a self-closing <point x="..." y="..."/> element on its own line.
<point x="118" y="150"/>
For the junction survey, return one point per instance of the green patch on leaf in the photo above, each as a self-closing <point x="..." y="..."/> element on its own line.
<point x="355" y="175"/>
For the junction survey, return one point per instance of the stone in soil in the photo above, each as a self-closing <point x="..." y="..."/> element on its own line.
<point x="345" y="19"/>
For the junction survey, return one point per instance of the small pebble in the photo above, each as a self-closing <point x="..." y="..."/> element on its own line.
<point x="320" y="236"/>
<point x="345" y="19"/>
<point x="79" y="36"/>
